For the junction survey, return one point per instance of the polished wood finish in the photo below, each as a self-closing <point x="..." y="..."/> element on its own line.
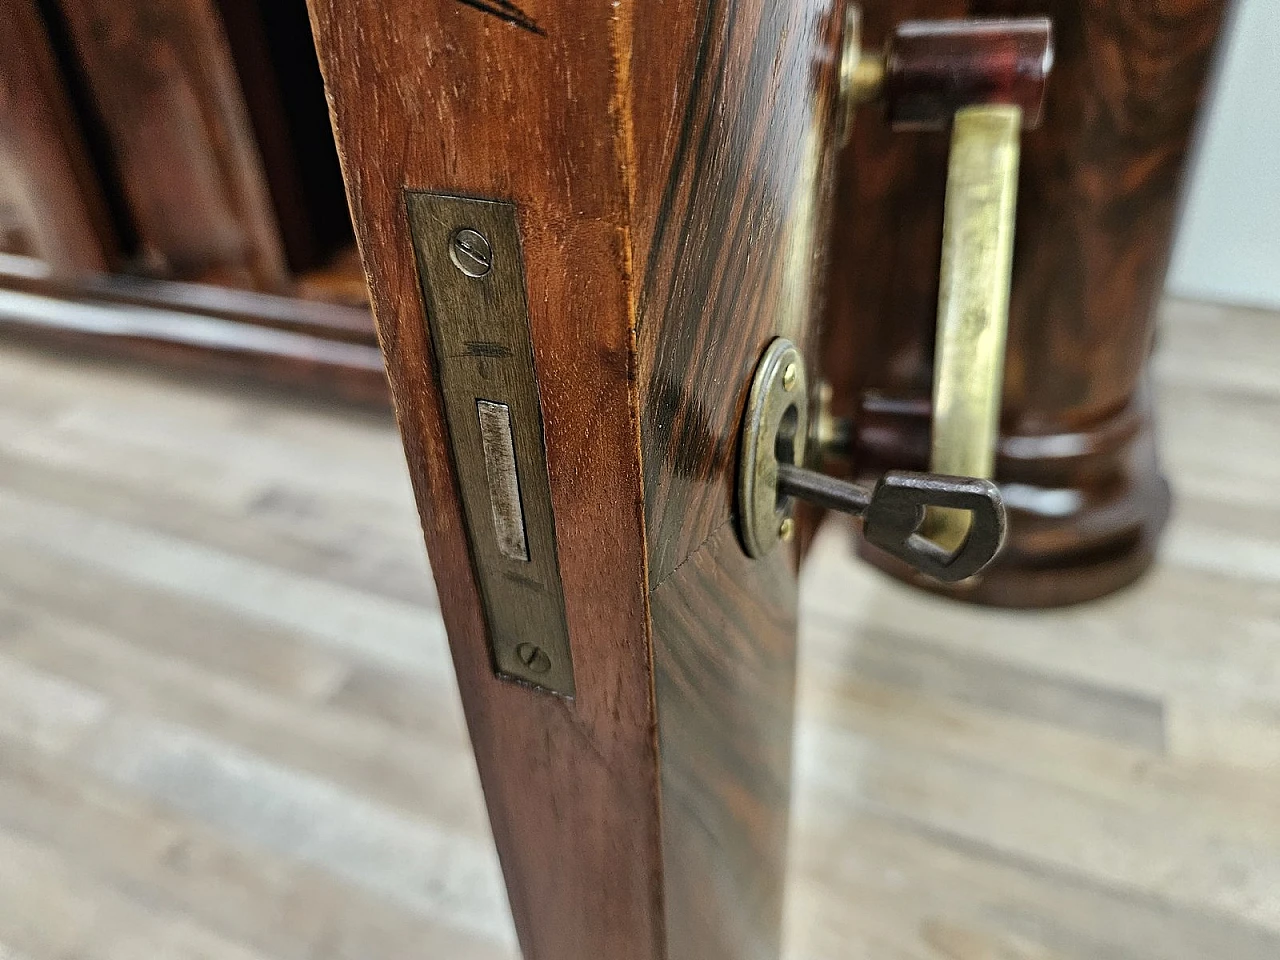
<point x="668" y="167"/>
<point x="325" y="349"/>
<point x="734" y="258"/>
<point x="932" y="68"/>
<point x="162" y="78"/>
<point x="330" y="321"/>
<point x="1097" y="200"/>
<point x="571" y="785"/>
<point x="46" y="178"/>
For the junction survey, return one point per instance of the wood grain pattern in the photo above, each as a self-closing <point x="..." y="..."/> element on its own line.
<point x="1097" y="198"/>
<point x="670" y="169"/>
<point x="325" y="349"/>
<point x="725" y="667"/>
<point x="45" y="176"/>
<point x="571" y="786"/>
<point x="166" y="90"/>
<point x="735" y="258"/>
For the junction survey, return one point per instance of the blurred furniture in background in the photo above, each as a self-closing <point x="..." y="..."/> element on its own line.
<point x="1098" y="195"/>
<point x="169" y="188"/>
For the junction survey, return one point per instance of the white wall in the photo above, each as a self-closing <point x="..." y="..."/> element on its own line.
<point x="1228" y="246"/>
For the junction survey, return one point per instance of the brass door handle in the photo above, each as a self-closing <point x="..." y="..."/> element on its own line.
<point x="973" y="304"/>
<point x="985" y="79"/>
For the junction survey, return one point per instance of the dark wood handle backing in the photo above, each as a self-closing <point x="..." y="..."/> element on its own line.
<point x="935" y="67"/>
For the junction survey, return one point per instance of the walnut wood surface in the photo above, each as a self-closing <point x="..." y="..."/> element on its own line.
<point x="1097" y="200"/>
<point x="932" y="68"/>
<point x="45" y="176"/>
<point x="733" y="260"/>
<point x="323" y="349"/>
<point x="667" y="163"/>
<point x="162" y="78"/>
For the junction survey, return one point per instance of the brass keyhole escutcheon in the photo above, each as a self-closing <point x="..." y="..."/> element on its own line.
<point x="774" y="431"/>
<point x="772" y="474"/>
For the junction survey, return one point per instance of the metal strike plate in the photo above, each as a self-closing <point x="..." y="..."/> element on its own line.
<point x="472" y="277"/>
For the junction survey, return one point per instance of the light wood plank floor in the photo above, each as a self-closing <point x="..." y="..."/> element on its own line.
<point x="229" y="731"/>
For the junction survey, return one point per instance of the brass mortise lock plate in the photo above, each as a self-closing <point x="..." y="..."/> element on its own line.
<point x="473" y="290"/>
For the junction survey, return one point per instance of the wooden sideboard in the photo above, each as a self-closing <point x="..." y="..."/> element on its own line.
<point x="170" y="190"/>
